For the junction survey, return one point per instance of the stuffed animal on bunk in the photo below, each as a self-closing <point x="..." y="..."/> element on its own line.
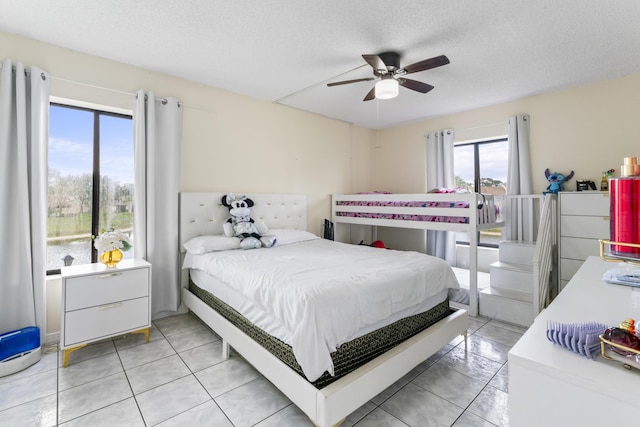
<point x="556" y="181"/>
<point x="251" y="233"/>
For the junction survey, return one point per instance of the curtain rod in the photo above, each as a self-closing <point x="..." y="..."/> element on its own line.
<point x="482" y="126"/>
<point x="180" y="103"/>
<point x="89" y="85"/>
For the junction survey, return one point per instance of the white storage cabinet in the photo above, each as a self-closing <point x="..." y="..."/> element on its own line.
<point x="552" y="386"/>
<point x="583" y="219"/>
<point x="99" y="303"/>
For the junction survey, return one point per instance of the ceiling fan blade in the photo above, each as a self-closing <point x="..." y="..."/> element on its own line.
<point x="415" y="85"/>
<point x="427" y="64"/>
<point x="345" y="82"/>
<point x="371" y="95"/>
<point x="378" y="65"/>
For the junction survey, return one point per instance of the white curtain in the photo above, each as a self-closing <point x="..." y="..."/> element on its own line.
<point x="441" y="244"/>
<point x="519" y="178"/>
<point x="157" y="135"/>
<point x="24" y="135"/>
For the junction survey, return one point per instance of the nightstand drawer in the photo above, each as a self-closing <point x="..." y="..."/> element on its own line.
<point x="105" y="320"/>
<point x="106" y="287"/>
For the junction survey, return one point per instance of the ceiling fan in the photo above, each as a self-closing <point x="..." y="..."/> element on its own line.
<point x="386" y="69"/>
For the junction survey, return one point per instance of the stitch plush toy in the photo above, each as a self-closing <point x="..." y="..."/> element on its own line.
<point x="556" y="181"/>
<point x="241" y="225"/>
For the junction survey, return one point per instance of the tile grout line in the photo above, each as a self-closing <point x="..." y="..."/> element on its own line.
<point x="57" y="386"/>
<point x="193" y="374"/>
<point x="465" y="409"/>
<point x="133" y="395"/>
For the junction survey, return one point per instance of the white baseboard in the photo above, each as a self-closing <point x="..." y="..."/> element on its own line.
<point x="53" y="338"/>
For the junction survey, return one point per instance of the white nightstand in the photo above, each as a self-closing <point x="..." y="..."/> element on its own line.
<point x="99" y="303"/>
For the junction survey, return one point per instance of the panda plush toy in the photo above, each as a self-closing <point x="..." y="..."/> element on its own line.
<point x="251" y="233"/>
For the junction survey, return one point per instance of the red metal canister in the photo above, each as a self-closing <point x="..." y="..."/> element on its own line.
<point x="624" y="195"/>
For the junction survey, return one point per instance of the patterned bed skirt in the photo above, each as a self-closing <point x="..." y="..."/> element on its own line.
<point x="349" y="356"/>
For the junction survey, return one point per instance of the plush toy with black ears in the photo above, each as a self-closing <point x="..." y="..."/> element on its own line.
<point x="251" y="233"/>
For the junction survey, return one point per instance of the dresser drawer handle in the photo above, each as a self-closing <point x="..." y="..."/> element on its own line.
<point x="104" y="276"/>
<point x="108" y="306"/>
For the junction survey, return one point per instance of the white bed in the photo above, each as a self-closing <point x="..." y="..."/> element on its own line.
<point x="202" y="214"/>
<point x="456" y="212"/>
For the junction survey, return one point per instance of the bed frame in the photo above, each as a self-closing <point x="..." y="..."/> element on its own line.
<point x="201" y="214"/>
<point x="480" y="211"/>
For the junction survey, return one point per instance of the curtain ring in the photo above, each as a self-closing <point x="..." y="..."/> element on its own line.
<point x="164" y="101"/>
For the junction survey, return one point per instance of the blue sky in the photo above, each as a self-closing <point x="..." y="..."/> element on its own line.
<point x="71" y="144"/>
<point x="493" y="161"/>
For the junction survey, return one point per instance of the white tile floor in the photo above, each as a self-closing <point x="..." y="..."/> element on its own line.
<point x="180" y="379"/>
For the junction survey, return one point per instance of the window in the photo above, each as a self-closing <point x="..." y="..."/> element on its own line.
<point x="481" y="166"/>
<point x="91" y="177"/>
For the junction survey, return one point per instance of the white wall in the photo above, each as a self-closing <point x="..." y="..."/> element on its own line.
<point x="588" y="129"/>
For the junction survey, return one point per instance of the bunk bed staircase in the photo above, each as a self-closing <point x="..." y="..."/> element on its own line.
<point x="520" y="280"/>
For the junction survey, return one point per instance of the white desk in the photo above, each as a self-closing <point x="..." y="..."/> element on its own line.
<point x="552" y="386"/>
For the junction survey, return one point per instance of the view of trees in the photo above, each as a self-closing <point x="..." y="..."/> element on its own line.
<point x="70" y="201"/>
<point x="484" y="183"/>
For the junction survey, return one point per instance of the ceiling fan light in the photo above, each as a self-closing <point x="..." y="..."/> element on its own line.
<point x="387" y="89"/>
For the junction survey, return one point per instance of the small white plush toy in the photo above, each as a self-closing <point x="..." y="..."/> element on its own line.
<point x="251" y="233"/>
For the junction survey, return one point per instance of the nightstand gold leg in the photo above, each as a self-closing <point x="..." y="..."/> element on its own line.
<point x="144" y="331"/>
<point x="66" y="352"/>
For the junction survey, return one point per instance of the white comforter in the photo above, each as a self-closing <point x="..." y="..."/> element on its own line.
<point x="322" y="291"/>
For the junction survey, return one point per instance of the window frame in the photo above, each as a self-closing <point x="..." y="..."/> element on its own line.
<point x="476" y="174"/>
<point x="98" y="111"/>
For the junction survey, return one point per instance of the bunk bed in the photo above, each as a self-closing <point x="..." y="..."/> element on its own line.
<point x="326" y="403"/>
<point x="444" y="210"/>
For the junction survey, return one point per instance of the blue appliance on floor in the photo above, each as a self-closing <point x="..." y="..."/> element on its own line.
<point x="19" y="349"/>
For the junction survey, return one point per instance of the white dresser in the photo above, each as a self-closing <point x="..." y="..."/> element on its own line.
<point x="583" y="219"/>
<point x="99" y="303"/>
<point x="552" y="386"/>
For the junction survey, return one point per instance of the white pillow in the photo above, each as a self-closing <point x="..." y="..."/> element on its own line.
<point x="286" y="235"/>
<point x="210" y="243"/>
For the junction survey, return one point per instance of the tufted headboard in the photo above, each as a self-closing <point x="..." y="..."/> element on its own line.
<point x="202" y="213"/>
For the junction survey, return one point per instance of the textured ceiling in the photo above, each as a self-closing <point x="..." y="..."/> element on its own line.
<point x="285" y="51"/>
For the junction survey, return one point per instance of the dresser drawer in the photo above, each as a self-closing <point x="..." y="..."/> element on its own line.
<point x="105" y="320"/>
<point x="580" y="249"/>
<point x="581" y="203"/>
<point x="105" y="288"/>
<point x="589" y="227"/>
